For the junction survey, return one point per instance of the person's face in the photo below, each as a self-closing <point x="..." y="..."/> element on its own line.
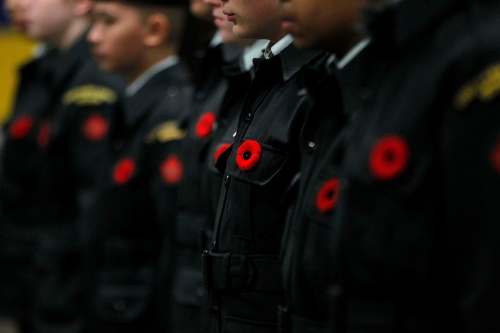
<point x="48" y="20"/>
<point x="256" y="19"/>
<point x="220" y="20"/>
<point x="117" y="36"/>
<point x="200" y="9"/>
<point x="329" y="24"/>
<point x="17" y="13"/>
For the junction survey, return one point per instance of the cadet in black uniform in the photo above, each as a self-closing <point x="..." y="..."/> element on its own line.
<point x="188" y="294"/>
<point x="59" y="124"/>
<point x="17" y="252"/>
<point x="327" y="88"/>
<point x="225" y="79"/>
<point x="415" y="237"/>
<point x="258" y="156"/>
<point x="136" y="205"/>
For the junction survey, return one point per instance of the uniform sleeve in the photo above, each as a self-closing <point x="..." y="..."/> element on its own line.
<point x="472" y="166"/>
<point x="90" y="109"/>
<point x="166" y="167"/>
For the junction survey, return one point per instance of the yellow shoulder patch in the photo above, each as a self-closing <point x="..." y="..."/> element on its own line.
<point x="484" y="89"/>
<point x="166" y="132"/>
<point x="89" y="95"/>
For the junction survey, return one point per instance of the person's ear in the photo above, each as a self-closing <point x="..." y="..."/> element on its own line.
<point x="82" y="7"/>
<point x="158" y="30"/>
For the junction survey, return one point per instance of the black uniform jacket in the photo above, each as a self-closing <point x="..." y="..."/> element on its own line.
<point x="259" y="163"/>
<point x="136" y="204"/>
<point x="194" y="217"/>
<point x="59" y="125"/>
<point x="415" y="236"/>
<point x="306" y="243"/>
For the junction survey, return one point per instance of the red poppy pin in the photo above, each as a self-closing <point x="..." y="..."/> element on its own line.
<point x="327" y="196"/>
<point x="389" y="157"/>
<point x="205" y="125"/>
<point x="248" y="155"/>
<point x="123" y="171"/>
<point x="171" y="170"/>
<point x="44" y="134"/>
<point x="95" y="127"/>
<point x="21" y="127"/>
<point x="495" y="157"/>
<point x="221" y="150"/>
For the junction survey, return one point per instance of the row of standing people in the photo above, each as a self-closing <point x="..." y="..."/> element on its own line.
<point x="346" y="193"/>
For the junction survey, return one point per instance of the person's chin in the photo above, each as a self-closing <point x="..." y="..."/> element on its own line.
<point x="303" y="43"/>
<point x="105" y="65"/>
<point x="240" y="31"/>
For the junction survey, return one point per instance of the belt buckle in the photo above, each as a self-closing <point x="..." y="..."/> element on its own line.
<point x="283" y="319"/>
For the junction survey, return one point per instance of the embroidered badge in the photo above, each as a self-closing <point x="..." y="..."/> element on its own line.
<point x="89" y="95"/>
<point x="166" y="132"/>
<point x="484" y="89"/>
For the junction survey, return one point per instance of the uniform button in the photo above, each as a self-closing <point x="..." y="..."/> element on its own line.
<point x="302" y="92"/>
<point x="200" y="292"/>
<point x="119" y="306"/>
<point x="234" y="134"/>
<point x="226" y="180"/>
<point x="366" y="95"/>
<point x="336" y="291"/>
<point x="311" y="146"/>
<point x="248" y="117"/>
<point x="172" y="92"/>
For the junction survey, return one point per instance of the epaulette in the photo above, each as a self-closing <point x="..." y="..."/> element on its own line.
<point x="484" y="88"/>
<point x="166" y="132"/>
<point x="89" y="95"/>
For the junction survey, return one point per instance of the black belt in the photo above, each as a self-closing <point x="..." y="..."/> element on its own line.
<point x="226" y="271"/>
<point x="291" y="323"/>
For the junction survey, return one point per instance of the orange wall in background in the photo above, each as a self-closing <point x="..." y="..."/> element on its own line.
<point x="14" y="51"/>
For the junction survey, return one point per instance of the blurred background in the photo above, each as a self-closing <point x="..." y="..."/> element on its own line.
<point x="14" y="50"/>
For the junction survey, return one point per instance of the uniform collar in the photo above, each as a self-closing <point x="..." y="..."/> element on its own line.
<point x="352" y="54"/>
<point x="135" y="86"/>
<point x="252" y="52"/>
<point x="216" y="40"/>
<point x="274" y="50"/>
<point x="152" y="92"/>
<point x="291" y="58"/>
<point x="66" y="63"/>
<point x="402" y="21"/>
<point x="69" y="58"/>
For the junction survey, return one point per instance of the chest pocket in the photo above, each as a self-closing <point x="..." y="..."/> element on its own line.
<point x="256" y="163"/>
